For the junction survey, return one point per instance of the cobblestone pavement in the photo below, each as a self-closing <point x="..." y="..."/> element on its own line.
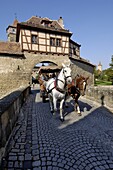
<point x="40" y="141"/>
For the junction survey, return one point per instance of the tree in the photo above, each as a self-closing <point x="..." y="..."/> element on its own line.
<point x="111" y="70"/>
<point x="97" y="73"/>
<point x="111" y="64"/>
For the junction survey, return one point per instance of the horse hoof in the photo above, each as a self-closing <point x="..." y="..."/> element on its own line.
<point x="52" y="112"/>
<point x="62" y="119"/>
<point x="79" y="114"/>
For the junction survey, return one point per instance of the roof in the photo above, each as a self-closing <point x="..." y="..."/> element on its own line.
<point x="73" y="42"/>
<point x="99" y="64"/>
<point x="15" y="22"/>
<point x="14" y="25"/>
<point x="82" y="60"/>
<point x="10" y="48"/>
<point x="37" y="22"/>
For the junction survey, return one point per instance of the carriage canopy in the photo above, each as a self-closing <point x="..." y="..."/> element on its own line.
<point x="49" y="69"/>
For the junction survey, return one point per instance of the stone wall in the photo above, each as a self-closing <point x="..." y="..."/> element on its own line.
<point x="103" y="95"/>
<point x="9" y="109"/>
<point x="16" y="71"/>
<point x="84" y="69"/>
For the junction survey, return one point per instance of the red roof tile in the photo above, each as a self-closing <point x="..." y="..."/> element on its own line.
<point x="10" y="48"/>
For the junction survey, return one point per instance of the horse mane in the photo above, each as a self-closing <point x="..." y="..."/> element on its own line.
<point x="78" y="79"/>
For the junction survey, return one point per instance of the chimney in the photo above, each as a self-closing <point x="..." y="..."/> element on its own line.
<point x="60" y="21"/>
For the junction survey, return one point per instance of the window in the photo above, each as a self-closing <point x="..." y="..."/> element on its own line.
<point x="52" y="41"/>
<point x="74" y="50"/>
<point x="34" y="39"/>
<point x="58" y="42"/>
<point x="55" y="42"/>
<point x="13" y="30"/>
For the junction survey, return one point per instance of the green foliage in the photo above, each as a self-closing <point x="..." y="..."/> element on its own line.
<point x="111" y="70"/>
<point x="104" y="83"/>
<point x="105" y="77"/>
<point x="111" y="64"/>
<point x="97" y="74"/>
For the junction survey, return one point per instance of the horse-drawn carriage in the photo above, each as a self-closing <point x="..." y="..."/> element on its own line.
<point x="45" y="73"/>
<point x="56" y="88"/>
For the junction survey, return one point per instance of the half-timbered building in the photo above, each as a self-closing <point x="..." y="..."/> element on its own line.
<point x="43" y="35"/>
<point x="42" y="39"/>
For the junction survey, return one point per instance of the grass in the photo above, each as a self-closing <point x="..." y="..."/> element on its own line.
<point x="100" y="82"/>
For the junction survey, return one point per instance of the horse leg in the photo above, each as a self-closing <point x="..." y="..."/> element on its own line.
<point x="55" y="105"/>
<point x="66" y="97"/>
<point x="77" y="106"/>
<point x="61" y="110"/>
<point x="51" y="103"/>
<point x="78" y="109"/>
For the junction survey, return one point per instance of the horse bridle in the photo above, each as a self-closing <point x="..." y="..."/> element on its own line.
<point x="56" y="84"/>
<point x="64" y="77"/>
<point x="81" y="82"/>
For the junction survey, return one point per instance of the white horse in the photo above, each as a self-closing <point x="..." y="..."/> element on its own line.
<point x="56" y="88"/>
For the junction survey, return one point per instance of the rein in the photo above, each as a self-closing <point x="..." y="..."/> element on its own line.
<point x="76" y="88"/>
<point x="80" y="89"/>
<point x="80" y="83"/>
<point x="58" y="88"/>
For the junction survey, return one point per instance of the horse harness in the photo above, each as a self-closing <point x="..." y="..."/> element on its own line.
<point x="56" y="85"/>
<point x="81" y="83"/>
<point x="74" y="91"/>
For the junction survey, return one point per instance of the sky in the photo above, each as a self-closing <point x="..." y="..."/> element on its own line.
<point x="90" y="21"/>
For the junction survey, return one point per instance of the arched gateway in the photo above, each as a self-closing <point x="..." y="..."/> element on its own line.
<point x="33" y="41"/>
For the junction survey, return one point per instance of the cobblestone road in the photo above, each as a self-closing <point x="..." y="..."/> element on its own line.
<point x="41" y="141"/>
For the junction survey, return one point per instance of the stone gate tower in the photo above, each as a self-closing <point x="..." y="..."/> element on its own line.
<point x="11" y="31"/>
<point x="38" y="40"/>
<point x="99" y="67"/>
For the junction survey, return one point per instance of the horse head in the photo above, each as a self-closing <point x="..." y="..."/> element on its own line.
<point x="81" y="83"/>
<point x="67" y="73"/>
